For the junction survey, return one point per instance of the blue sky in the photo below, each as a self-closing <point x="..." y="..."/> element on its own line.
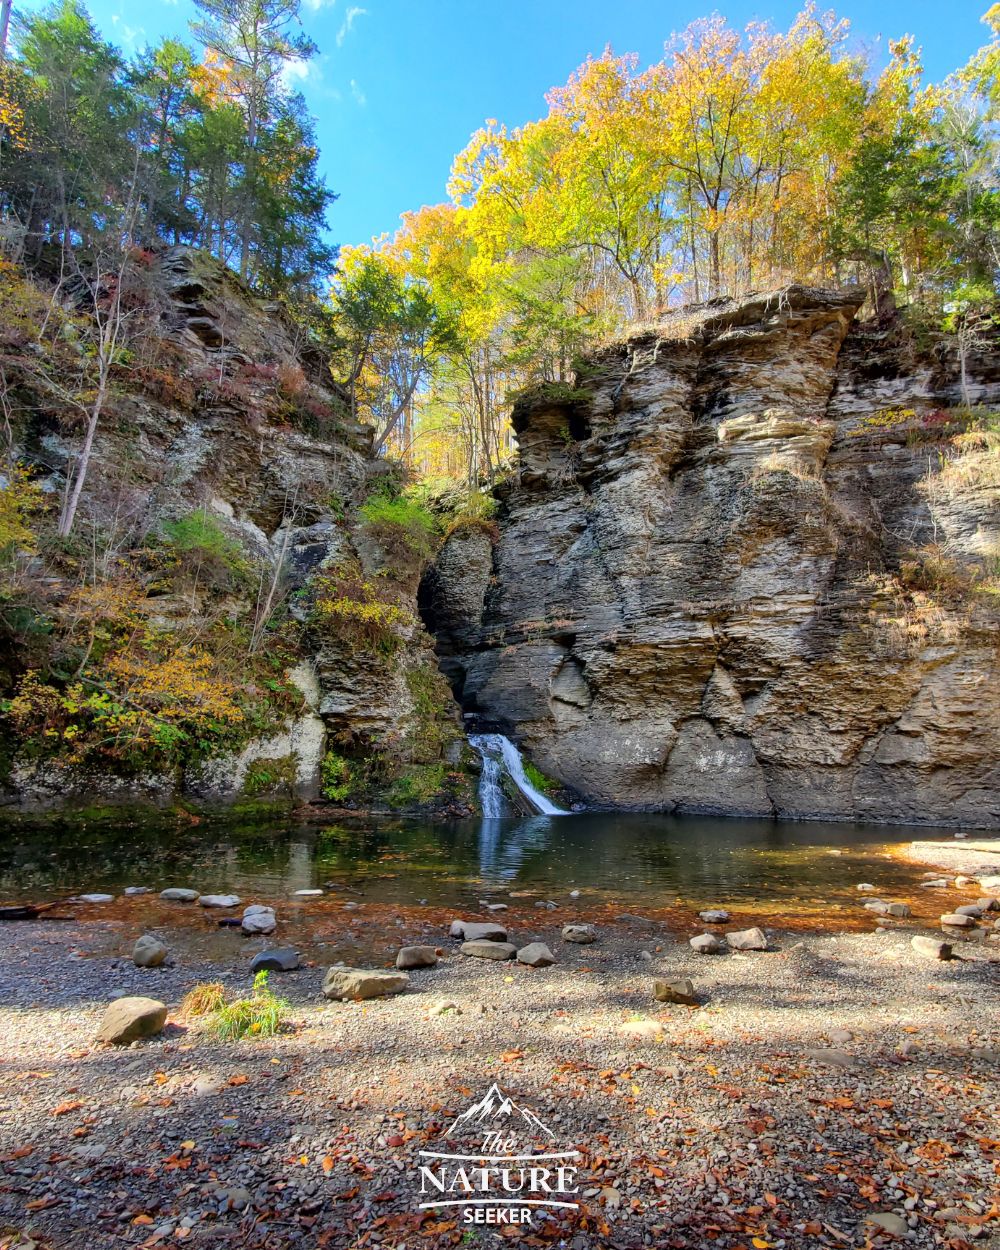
<point x="399" y="85"/>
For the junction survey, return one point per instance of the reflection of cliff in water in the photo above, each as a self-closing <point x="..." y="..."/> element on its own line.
<point x="503" y="845"/>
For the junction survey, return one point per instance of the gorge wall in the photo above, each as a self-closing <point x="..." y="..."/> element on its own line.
<point x="226" y="421"/>
<point x="747" y="564"/>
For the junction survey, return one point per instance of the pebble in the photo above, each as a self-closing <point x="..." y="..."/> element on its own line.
<point x="889" y="1223"/>
<point x="831" y="1057"/>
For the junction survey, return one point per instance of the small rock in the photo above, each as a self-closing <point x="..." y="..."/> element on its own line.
<point x="536" y="955"/>
<point x="308" y="893"/>
<point x="865" y="886"/>
<point x="877" y="906"/>
<point x="888" y="1222"/>
<point x="679" y="991"/>
<point x="219" y="900"/>
<point x="650" y="1030"/>
<point x="149" y="952"/>
<point x="706" y="944"/>
<point x="580" y="933"/>
<point x="985" y="1052"/>
<point x="496" y="906"/>
<point x="235" y="1198"/>
<point x="934" y="948"/>
<point x="714" y="916"/>
<point x="647" y="956"/>
<point x="129" y="1019"/>
<point x="446" y="1004"/>
<point x="416" y="957"/>
<point x="841" y="1037"/>
<point x="988" y="904"/>
<point x="258" y="918"/>
<point x="574" y="893"/>
<point x="280" y="959"/>
<point x="642" y="921"/>
<point x="483" y="948"/>
<point x="178" y="895"/>
<point x="747" y="940"/>
<point x="900" y="910"/>
<point x="358" y="983"/>
<point x="938" y="884"/>
<point x="958" y="921"/>
<point x="132" y="890"/>
<point x="475" y="931"/>
<point x="969" y="909"/>
<point x="963" y="881"/>
<point x="831" y="1057"/>
<point x="97" y="898"/>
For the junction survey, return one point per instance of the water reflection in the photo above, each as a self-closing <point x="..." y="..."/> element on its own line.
<point x="633" y="856"/>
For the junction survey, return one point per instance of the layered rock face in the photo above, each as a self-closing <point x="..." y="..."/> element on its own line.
<point x="706" y="594"/>
<point x="238" y="415"/>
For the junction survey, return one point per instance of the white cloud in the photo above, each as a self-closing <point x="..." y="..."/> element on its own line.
<point x="359" y="96"/>
<point x="296" y="72"/>
<point x="316" y="5"/>
<point x="348" y="24"/>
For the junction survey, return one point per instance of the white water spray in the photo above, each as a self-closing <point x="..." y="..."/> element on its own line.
<point x="500" y="755"/>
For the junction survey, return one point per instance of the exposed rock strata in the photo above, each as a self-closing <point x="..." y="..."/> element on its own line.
<point x="694" y="602"/>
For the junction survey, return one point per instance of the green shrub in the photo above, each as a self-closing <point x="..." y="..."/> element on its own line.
<point x="353" y="609"/>
<point x="403" y="527"/>
<point x="203" y="548"/>
<point x="260" y="1015"/>
<point x="418" y="784"/>
<point x="338" y="779"/>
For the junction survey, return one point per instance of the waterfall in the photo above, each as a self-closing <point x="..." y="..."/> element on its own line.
<point x="500" y="755"/>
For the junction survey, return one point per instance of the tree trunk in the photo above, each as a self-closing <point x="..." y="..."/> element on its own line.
<point x="5" y="7"/>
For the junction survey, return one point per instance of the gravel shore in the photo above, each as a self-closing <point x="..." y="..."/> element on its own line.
<point x="827" y="1080"/>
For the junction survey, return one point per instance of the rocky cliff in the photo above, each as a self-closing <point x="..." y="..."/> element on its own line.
<point x="747" y="564"/>
<point x="205" y="633"/>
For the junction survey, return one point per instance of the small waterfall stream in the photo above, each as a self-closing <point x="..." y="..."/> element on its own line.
<point x="499" y="756"/>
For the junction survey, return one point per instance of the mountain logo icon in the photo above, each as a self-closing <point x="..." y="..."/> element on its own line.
<point x="497" y="1111"/>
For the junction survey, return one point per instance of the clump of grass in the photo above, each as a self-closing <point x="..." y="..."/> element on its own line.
<point x="206" y="998"/>
<point x="260" y="1015"/>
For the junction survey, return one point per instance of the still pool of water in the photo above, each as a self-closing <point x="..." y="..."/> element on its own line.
<point x="627" y="859"/>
